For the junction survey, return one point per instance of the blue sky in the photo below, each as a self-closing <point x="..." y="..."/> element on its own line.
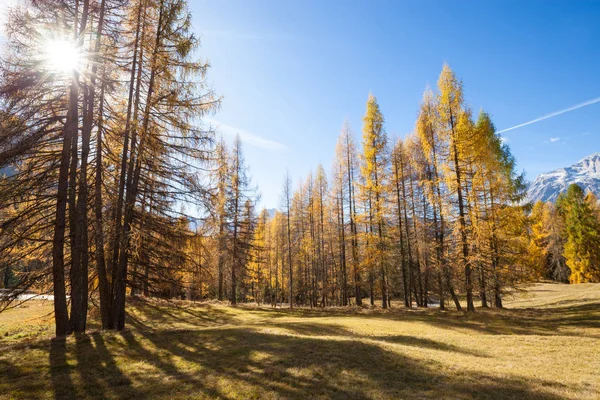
<point x="292" y="71"/>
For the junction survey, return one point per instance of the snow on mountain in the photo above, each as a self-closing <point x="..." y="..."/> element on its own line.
<point x="586" y="173"/>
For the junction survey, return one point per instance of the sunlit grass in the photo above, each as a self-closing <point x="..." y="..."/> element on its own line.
<point x="185" y="350"/>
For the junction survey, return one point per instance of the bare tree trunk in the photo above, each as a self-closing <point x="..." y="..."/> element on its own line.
<point x="343" y="246"/>
<point x="103" y="285"/>
<point x="397" y="178"/>
<point x="289" y="237"/>
<point x="124" y="157"/>
<point x="120" y="279"/>
<point x="462" y="221"/>
<point x="61" y="315"/>
<point x="409" y="274"/>
<point x="74" y="227"/>
<point x="221" y="261"/>
<point x="79" y="322"/>
<point x="352" y="204"/>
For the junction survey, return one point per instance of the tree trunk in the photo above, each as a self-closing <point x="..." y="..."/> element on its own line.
<point x="61" y="314"/>
<point x="462" y="222"/>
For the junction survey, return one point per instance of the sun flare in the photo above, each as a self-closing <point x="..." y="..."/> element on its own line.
<point x="62" y="56"/>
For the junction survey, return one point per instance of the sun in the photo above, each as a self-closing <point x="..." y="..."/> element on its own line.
<point x="62" y="56"/>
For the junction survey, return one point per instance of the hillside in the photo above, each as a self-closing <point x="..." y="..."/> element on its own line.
<point x="586" y="173"/>
<point x="544" y="346"/>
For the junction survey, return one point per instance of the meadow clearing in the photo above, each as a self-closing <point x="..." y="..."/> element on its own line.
<point x="544" y="345"/>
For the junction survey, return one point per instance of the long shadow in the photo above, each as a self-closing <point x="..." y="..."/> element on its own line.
<point x="8" y="370"/>
<point x="314" y="329"/>
<point x="160" y="315"/>
<point x="428" y="344"/>
<point x="542" y="322"/>
<point x="60" y="371"/>
<point x="138" y="351"/>
<point x="14" y="381"/>
<point x="283" y="366"/>
<point x="99" y="372"/>
<point x="298" y="359"/>
<point x="547" y="321"/>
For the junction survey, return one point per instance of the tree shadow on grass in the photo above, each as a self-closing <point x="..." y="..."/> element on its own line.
<point x="546" y="321"/>
<point x="294" y="359"/>
<point x="315" y="329"/>
<point x="98" y="369"/>
<point x="100" y="376"/>
<point x="164" y="313"/>
<point x="60" y="370"/>
<point x="241" y="362"/>
<point x="529" y="321"/>
<point x="12" y="382"/>
<point x="245" y="362"/>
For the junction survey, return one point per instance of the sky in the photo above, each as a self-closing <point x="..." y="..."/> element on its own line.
<point x="292" y="71"/>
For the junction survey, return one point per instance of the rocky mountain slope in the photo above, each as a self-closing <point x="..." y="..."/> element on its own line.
<point x="586" y="173"/>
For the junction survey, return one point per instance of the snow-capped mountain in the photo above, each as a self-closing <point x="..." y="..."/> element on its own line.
<point x="586" y="173"/>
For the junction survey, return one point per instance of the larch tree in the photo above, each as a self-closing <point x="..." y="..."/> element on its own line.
<point x="433" y="147"/>
<point x="456" y="129"/>
<point x="374" y="171"/>
<point x="287" y="199"/>
<point x="241" y="193"/>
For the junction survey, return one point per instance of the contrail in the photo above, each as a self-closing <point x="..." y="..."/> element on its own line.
<point x="554" y="114"/>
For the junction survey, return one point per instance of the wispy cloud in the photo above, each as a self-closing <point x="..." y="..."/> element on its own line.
<point x="554" y="139"/>
<point x="554" y="114"/>
<point x="246" y="137"/>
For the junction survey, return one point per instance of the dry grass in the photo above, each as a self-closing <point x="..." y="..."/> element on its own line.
<point x="546" y="345"/>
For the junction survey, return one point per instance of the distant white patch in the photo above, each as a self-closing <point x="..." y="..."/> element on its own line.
<point x="503" y="139"/>
<point x="554" y="139"/>
<point x="246" y="137"/>
<point x="585" y="173"/>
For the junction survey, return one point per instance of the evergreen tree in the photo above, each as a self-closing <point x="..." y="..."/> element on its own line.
<point x="582" y="228"/>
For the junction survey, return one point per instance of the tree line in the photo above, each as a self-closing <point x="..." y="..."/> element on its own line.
<point x="424" y="220"/>
<point x="565" y="237"/>
<point x="436" y="218"/>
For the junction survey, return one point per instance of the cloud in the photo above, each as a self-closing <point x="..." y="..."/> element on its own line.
<point x="503" y="139"/>
<point x="245" y="136"/>
<point x="554" y="139"/>
<point x="554" y="114"/>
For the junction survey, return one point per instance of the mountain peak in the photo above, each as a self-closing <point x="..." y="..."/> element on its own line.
<point x="594" y="156"/>
<point x="585" y="173"/>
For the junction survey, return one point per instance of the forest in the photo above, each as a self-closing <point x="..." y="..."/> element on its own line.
<point x="137" y="259"/>
<point x="102" y="140"/>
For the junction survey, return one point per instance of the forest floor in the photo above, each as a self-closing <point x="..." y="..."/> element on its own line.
<point x="545" y="345"/>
